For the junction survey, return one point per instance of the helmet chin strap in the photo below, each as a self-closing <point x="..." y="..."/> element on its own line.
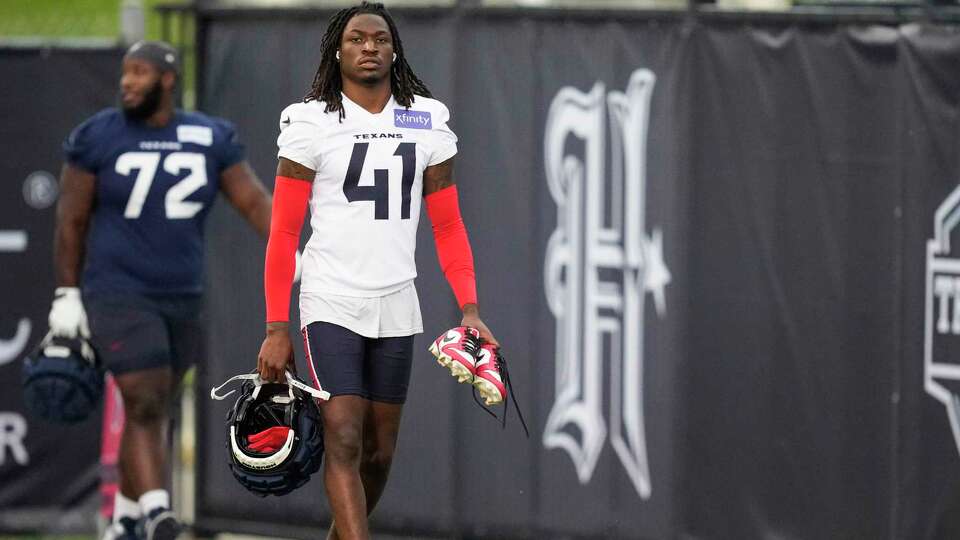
<point x="63" y="351"/>
<point x="246" y="376"/>
<point x="318" y="393"/>
<point x="255" y="377"/>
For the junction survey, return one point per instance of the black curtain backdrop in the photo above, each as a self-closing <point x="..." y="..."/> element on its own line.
<point x="704" y="245"/>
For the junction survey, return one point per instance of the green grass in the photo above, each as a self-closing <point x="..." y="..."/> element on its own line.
<point x="71" y="18"/>
<point x="28" y="537"/>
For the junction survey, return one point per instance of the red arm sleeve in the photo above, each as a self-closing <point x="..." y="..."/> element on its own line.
<point x="290" y="197"/>
<point x="453" y="247"/>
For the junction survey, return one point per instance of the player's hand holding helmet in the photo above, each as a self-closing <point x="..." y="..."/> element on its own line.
<point x="276" y="354"/>
<point x="62" y="379"/>
<point x="67" y="317"/>
<point x="274" y="433"/>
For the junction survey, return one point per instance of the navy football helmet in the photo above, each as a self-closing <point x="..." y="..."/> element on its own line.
<point x="62" y="379"/>
<point x="274" y="433"/>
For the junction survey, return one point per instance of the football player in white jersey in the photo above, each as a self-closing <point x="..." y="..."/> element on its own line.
<point x="363" y="149"/>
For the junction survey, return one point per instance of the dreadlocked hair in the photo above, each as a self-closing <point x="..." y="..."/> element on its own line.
<point x="327" y="84"/>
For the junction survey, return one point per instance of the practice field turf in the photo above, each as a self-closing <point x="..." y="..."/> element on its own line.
<point x="46" y="537"/>
<point x="71" y="18"/>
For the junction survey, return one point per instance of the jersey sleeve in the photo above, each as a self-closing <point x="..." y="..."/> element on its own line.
<point x="299" y="134"/>
<point x="230" y="150"/>
<point x="80" y="147"/>
<point x="444" y="139"/>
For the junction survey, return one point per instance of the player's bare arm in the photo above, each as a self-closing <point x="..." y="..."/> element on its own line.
<point x="276" y="352"/>
<point x="248" y="195"/>
<point x="436" y="178"/>
<point x="292" y="169"/>
<point x="77" y="189"/>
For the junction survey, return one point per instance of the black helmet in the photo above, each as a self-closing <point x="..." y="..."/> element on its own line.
<point x="274" y="434"/>
<point x="62" y="379"/>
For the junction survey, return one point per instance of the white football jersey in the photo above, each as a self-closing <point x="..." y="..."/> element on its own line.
<point x="366" y="196"/>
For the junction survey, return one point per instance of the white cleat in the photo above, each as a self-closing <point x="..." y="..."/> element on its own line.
<point x="455" y="350"/>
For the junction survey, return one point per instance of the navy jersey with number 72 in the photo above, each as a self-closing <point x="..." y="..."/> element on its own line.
<point x="154" y="190"/>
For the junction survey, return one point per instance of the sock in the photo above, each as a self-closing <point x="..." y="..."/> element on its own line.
<point x="153" y="499"/>
<point x="124" y="507"/>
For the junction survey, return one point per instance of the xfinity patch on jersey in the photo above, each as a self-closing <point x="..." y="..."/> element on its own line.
<point x="201" y="135"/>
<point x="403" y="118"/>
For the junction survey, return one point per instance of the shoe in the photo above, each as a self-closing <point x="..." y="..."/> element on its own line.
<point x="457" y="351"/>
<point x="123" y="529"/>
<point x="159" y="524"/>
<point x="488" y="378"/>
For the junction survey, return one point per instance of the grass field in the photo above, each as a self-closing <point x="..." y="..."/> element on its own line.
<point x="71" y="18"/>
<point x="46" y="537"/>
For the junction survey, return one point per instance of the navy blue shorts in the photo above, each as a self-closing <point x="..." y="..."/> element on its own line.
<point x="132" y="332"/>
<point x="346" y="363"/>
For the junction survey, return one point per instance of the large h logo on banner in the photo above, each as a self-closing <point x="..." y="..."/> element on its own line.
<point x="942" y="323"/>
<point x="599" y="266"/>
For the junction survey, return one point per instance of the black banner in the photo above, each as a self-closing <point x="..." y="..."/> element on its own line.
<point x="48" y="473"/>
<point x="717" y="254"/>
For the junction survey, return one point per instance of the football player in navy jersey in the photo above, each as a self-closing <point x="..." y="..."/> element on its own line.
<point x="137" y="186"/>
<point x="365" y="149"/>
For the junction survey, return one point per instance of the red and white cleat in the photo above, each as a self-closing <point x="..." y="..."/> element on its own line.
<point x="457" y="351"/>
<point x="488" y="379"/>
